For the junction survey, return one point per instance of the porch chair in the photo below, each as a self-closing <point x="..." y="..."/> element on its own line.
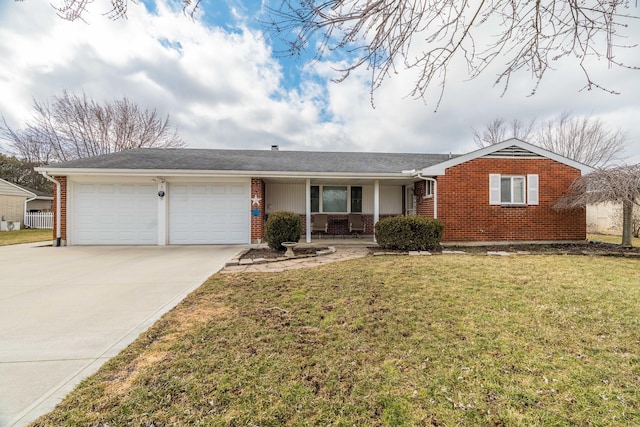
<point x="319" y="223"/>
<point x="356" y="225"/>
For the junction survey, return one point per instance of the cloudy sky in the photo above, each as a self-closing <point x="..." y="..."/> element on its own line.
<point x="224" y="87"/>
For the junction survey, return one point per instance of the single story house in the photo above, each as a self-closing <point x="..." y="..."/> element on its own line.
<point x="498" y="194"/>
<point x="16" y="200"/>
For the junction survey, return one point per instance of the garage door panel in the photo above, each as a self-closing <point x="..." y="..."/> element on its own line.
<point x="150" y="204"/>
<point x="115" y="213"/>
<point x="237" y="219"/>
<point x="237" y="189"/>
<point x="178" y="189"/>
<point x="106" y="189"/>
<point x="236" y="204"/>
<point x="208" y="213"/>
<point x="219" y="189"/>
<point x="200" y="204"/>
<point x="198" y="189"/>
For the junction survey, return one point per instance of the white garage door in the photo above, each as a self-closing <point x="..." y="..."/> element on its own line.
<point x="209" y="213"/>
<point x="115" y="214"/>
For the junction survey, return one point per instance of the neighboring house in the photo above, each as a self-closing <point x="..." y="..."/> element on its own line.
<point x="16" y="200"/>
<point x="605" y="218"/>
<point x="502" y="193"/>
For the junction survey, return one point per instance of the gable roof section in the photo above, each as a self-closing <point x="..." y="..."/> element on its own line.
<point x="511" y="148"/>
<point x="245" y="162"/>
<point x="10" y="189"/>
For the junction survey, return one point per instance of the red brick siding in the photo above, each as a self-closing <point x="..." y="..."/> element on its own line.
<point x="63" y="208"/>
<point x="257" y="222"/>
<point x="339" y="224"/>
<point x="424" y="206"/>
<point x="303" y="229"/>
<point x="463" y="203"/>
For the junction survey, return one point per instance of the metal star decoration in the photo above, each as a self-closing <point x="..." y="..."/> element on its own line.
<point x="255" y="200"/>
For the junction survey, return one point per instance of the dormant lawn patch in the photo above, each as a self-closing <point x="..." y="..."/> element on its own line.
<point x="25" y="236"/>
<point x="435" y="341"/>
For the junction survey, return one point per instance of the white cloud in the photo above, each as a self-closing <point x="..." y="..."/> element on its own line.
<point x="225" y="88"/>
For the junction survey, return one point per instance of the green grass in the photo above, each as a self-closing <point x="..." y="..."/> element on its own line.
<point x="25" y="236"/>
<point x="612" y="239"/>
<point x="386" y="341"/>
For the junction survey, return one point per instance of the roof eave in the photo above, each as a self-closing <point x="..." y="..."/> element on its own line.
<point x="24" y="190"/>
<point x="215" y="173"/>
<point x="440" y="168"/>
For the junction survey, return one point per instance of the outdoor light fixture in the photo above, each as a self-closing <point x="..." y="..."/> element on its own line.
<point x="161" y="193"/>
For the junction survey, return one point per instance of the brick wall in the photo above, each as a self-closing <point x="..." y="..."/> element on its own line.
<point x="424" y="206"/>
<point x="463" y="203"/>
<point x="257" y="222"/>
<point x="63" y="211"/>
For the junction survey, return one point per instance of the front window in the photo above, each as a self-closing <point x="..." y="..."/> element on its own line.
<point x="315" y="198"/>
<point x="429" y="189"/>
<point x="336" y="198"/>
<point x="512" y="190"/>
<point x="356" y="199"/>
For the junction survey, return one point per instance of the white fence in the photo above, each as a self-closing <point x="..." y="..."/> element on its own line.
<point x="38" y="220"/>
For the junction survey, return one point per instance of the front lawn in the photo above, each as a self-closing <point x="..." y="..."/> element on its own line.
<point x="390" y="341"/>
<point x="30" y="235"/>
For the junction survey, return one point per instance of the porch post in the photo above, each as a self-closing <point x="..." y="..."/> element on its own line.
<point x="162" y="212"/>
<point x="307" y="205"/>
<point x="376" y="205"/>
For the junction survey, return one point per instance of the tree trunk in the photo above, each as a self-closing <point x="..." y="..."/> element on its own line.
<point x="627" y="223"/>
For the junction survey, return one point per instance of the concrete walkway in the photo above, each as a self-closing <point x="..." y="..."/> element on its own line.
<point x="65" y="311"/>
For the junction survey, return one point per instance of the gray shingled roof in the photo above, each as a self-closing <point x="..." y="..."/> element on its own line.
<point x="255" y="160"/>
<point x="36" y="192"/>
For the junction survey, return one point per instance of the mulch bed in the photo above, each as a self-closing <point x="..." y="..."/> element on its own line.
<point x="595" y="248"/>
<point x="591" y="248"/>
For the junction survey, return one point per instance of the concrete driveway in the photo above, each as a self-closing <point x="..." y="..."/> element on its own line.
<point x="65" y="311"/>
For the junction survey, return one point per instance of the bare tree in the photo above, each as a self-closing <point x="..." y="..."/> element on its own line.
<point x="618" y="184"/>
<point x="617" y="217"/>
<point x="72" y="10"/>
<point x="74" y="126"/>
<point x="584" y="139"/>
<point x="432" y="36"/>
<point x="435" y="35"/>
<point x="498" y="130"/>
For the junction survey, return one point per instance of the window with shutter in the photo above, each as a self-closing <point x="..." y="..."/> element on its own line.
<point x="532" y="189"/>
<point x="494" y="189"/>
<point x="513" y="189"/>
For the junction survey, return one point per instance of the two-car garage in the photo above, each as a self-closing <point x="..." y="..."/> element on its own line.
<point x="126" y="213"/>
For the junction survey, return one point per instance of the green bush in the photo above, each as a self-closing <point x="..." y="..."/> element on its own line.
<point x="282" y="226"/>
<point x="409" y="233"/>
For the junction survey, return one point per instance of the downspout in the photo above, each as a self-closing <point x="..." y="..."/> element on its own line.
<point x="58" y="207"/>
<point x="24" y="219"/>
<point x="435" y="193"/>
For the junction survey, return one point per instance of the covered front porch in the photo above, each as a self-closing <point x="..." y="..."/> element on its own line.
<point x="333" y="200"/>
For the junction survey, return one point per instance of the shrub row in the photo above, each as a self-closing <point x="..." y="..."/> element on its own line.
<point x="409" y="233"/>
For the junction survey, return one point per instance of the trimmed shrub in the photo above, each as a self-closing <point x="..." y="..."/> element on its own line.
<point x="409" y="233"/>
<point x="282" y="226"/>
